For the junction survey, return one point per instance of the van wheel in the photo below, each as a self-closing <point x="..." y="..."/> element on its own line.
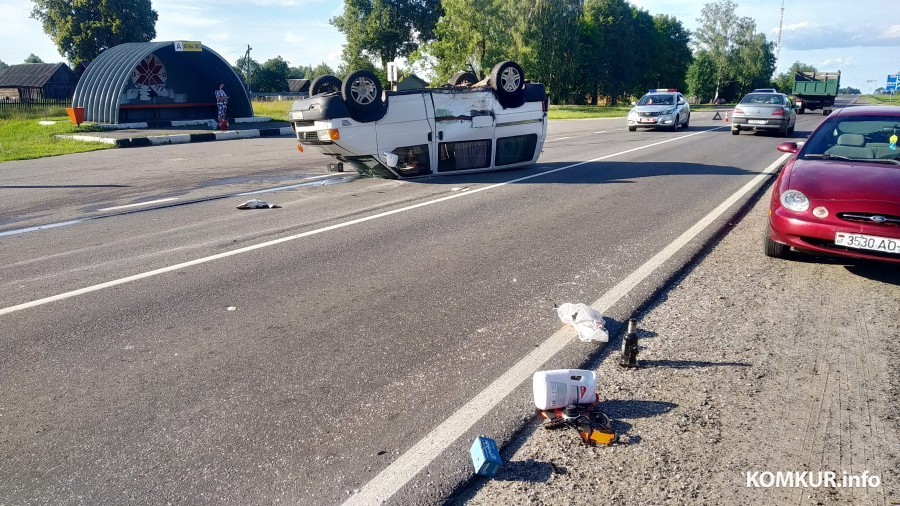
<point x="735" y="130"/>
<point x="324" y="84"/>
<point x="632" y="129"/>
<point x="361" y="91"/>
<point x="463" y="78"/>
<point x="508" y="82"/>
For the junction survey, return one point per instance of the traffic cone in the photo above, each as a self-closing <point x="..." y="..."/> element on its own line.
<point x="726" y="117"/>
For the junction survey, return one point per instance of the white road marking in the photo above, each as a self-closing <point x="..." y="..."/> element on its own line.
<point x="254" y="247"/>
<point x="561" y="138"/>
<point x="310" y="182"/>
<point x="139" y="204"/>
<point x="384" y="485"/>
<point x="601" y="132"/>
<point x="40" y="227"/>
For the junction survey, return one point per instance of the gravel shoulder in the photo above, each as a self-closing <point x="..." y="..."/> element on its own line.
<point x="750" y="365"/>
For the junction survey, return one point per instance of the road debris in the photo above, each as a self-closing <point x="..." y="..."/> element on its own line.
<point x="587" y="321"/>
<point x="257" y="204"/>
<point x="560" y="387"/>
<point x="630" y="346"/>
<point x="485" y="456"/>
<point x="592" y="424"/>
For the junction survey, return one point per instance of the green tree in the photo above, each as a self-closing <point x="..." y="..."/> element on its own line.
<point x="547" y="43"/>
<point x="784" y="81"/>
<point x="82" y="29"/>
<point x="272" y="76"/>
<point x="299" y="72"/>
<point x="675" y="57"/>
<point x="382" y="30"/>
<point x="247" y="69"/>
<point x="3" y="65"/>
<point x="33" y="58"/>
<point x="321" y="69"/>
<point x="615" y="59"/>
<point x="843" y="91"/>
<point x="472" y="35"/>
<point x="755" y="63"/>
<point x="701" y="77"/>
<point x="721" y="33"/>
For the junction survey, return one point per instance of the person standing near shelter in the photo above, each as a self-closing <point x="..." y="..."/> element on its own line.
<point x="221" y="106"/>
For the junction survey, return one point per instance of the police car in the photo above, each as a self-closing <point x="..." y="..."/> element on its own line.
<point x="660" y="108"/>
<point x="497" y="123"/>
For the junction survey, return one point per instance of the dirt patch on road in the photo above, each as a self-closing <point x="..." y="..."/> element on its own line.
<point x="750" y="365"/>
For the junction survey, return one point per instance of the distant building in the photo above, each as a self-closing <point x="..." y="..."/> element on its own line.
<point x="412" y="82"/>
<point x="37" y="81"/>
<point x="298" y="85"/>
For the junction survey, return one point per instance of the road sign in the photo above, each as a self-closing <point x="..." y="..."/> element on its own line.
<point x="892" y="79"/>
<point x="186" y="45"/>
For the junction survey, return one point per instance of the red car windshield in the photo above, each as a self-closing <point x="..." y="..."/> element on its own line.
<point x="860" y="138"/>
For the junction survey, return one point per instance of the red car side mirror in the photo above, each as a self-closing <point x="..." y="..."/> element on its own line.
<point x="788" y="147"/>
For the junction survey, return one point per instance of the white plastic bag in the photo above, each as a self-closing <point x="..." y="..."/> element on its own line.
<point x="588" y="322"/>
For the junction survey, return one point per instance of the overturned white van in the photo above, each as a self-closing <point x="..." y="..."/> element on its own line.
<point x="498" y="123"/>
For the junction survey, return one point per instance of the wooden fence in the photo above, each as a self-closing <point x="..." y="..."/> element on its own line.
<point x="32" y="106"/>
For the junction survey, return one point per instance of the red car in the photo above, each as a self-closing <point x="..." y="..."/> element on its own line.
<point x="840" y="194"/>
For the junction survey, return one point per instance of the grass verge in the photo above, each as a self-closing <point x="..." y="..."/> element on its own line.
<point x="879" y="100"/>
<point x="278" y="110"/>
<point x="23" y="138"/>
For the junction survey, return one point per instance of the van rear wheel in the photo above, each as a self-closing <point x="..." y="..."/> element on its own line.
<point x="463" y="78"/>
<point x="361" y="91"/>
<point x="324" y="84"/>
<point x="508" y="82"/>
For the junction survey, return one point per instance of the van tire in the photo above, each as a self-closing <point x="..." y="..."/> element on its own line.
<point x="324" y="84"/>
<point x="361" y="91"/>
<point x="463" y="78"/>
<point x="508" y="82"/>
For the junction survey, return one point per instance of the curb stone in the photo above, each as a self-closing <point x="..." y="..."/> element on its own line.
<point x="157" y="140"/>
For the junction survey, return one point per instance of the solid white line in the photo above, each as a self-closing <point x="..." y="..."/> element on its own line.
<point x="384" y="485"/>
<point x="139" y="204"/>
<point x="601" y="132"/>
<point x="561" y="138"/>
<point x="309" y="182"/>
<point x="226" y="254"/>
<point x="40" y="227"/>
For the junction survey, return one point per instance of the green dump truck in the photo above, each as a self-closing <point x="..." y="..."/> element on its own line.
<point x="816" y="90"/>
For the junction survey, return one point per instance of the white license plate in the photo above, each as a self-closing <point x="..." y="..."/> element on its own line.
<point x="756" y="121"/>
<point x="869" y="242"/>
<point x="648" y="120"/>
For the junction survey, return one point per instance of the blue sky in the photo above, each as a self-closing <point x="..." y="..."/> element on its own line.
<point x="831" y="34"/>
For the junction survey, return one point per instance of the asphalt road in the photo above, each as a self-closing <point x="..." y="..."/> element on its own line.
<point x="186" y="351"/>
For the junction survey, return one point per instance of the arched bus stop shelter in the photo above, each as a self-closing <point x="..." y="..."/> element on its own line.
<point x="158" y="81"/>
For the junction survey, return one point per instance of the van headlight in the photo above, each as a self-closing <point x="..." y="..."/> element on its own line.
<point x="795" y="201"/>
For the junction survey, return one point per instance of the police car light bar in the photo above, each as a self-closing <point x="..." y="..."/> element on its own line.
<point x="661" y="90"/>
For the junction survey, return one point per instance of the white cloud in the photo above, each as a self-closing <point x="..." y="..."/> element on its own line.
<point x="837" y="63"/>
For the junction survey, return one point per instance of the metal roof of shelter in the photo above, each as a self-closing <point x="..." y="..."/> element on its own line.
<point x="155" y="74"/>
<point x="33" y="75"/>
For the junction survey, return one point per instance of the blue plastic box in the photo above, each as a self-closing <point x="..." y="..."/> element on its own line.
<point x="485" y="456"/>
